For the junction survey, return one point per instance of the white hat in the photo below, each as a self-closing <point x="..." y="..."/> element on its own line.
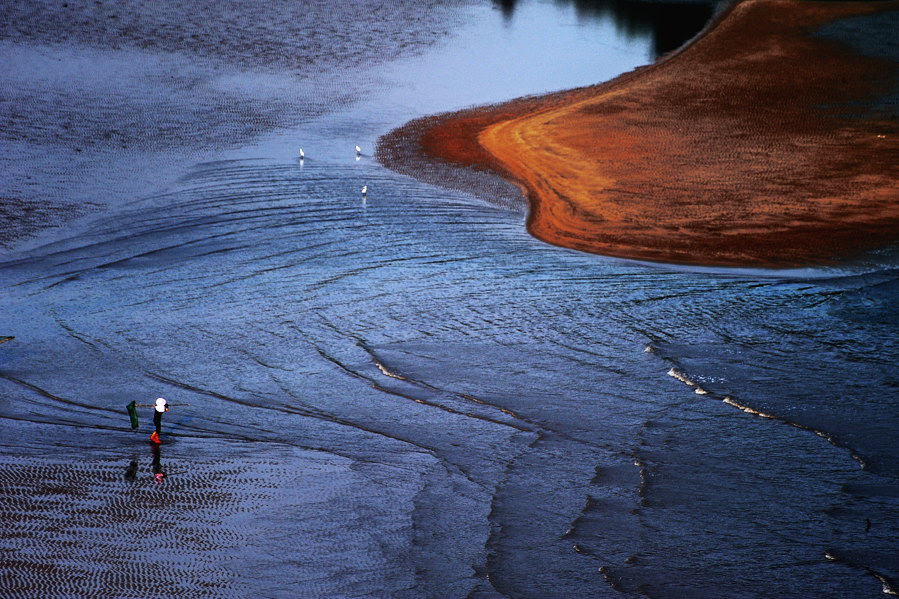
<point x="160" y="404"/>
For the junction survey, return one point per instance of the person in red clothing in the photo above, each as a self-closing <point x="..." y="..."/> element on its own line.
<point x="160" y="408"/>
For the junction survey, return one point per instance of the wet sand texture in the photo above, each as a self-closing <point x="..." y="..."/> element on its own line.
<point x="762" y="144"/>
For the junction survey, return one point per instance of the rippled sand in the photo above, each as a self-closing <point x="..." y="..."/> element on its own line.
<point x="96" y="88"/>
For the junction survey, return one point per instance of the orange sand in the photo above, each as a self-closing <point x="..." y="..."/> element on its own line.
<point x="735" y="151"/>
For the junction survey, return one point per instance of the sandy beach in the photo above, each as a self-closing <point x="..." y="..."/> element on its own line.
<point x="763" y="143"/>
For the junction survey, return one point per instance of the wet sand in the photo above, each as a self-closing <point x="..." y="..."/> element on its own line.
<point x="760" y="144"/>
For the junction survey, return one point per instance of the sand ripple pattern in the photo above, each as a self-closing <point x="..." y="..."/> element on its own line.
<point x="109" y="529"/>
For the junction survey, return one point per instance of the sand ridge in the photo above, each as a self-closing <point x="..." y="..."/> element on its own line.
<point x="759" y="144"/>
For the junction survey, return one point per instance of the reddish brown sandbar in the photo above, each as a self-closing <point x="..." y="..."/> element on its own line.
<point x="760" y="144"/>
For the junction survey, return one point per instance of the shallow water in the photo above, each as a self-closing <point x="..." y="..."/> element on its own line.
<point x="402" y="395"/>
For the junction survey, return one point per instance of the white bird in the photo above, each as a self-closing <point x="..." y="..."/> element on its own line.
<point x="364" y="189"/>
<point x="302" y="155"/>
<point x="358" y="151"/>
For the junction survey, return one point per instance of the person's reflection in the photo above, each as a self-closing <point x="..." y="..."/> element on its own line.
<point x="131" y="470"/>
<point x="158" y="473"/>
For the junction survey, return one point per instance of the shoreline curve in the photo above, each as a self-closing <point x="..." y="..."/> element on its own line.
<point x="760" y="143"/>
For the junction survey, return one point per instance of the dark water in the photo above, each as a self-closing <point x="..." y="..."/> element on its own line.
<point x="668" y="25"/>
<point x="402" y="395"/>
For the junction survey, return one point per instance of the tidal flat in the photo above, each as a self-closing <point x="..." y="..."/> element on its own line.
<point x="404" y="394"/>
